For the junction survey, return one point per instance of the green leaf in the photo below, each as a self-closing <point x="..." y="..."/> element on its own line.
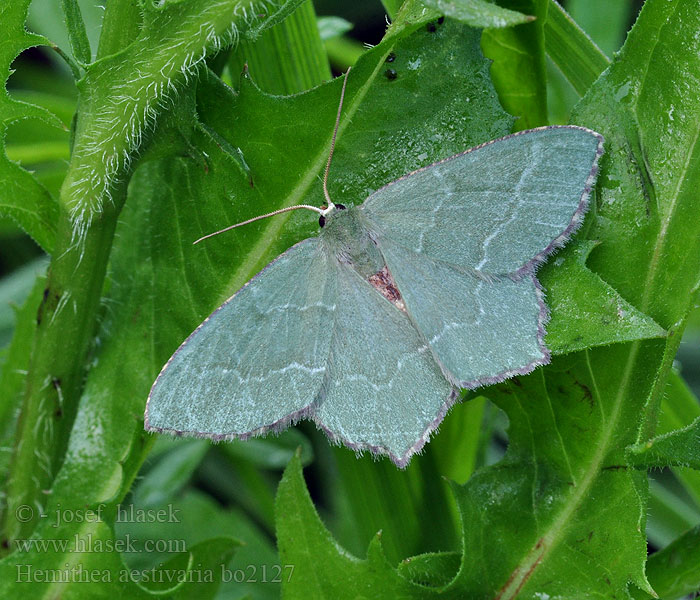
<point x="374" y="146"/>
<point x="194" y="518"/>
<point x="270" y="452"/>
<point x="679" y="408"/>
<point x="564" y="491"/>
<point x="199" y="571"/>
<point x="303" y="541"/>
<point x="519" y="70"/>
<point x="12" y="376"/>
<point x="674" y="572"/>
<point x="90" y="566"/>
<point x="585" y="310"/>
<point x="560" y="516"/>
<point x="22" y="197"/>
<point x="434" y="569"/>
<point x="76" y="31"/>
<point x="478" y="13"/>
<point x="679" y="448"/>
<point x="48" y="18"/>
<point x="171" y="473"/>
<point x="650" y="242"/>
<point x="330" y="27"/>
<point x="15" y="289"/>
<point x="605" y="22"/>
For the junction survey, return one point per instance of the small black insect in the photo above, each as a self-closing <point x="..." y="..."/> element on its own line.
<point x="433" y="25"/>
<point x="391" y="58"/>
<point x="391" y="74"/>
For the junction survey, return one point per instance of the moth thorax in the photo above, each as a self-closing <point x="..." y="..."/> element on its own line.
<point x="350" y="240"/>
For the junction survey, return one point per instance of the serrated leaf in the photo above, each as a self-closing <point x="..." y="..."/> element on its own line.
<point x="585" y="310"/>
<point x="647" y="199"/>
<point x="363" y="160"/>
<point x="562" y="516"/>
<point x="679" y="448"/>
<point x="22" y="197"/>
<point x="303" y="541"/>
<point x="435" y="569"/>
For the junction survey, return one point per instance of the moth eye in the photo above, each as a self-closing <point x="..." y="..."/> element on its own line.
<point x="321" y="221"/>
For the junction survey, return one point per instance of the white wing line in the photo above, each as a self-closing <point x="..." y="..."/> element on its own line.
<point x="489" y="238"/>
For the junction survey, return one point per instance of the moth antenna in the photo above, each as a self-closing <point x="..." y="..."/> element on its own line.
<point x="331" y="206"/>
<point x="322" y="211"/>
<point x="271" y="214"/>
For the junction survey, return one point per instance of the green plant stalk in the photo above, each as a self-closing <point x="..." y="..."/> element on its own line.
<point x="288" y="58"/>
<point x="61" y="343"/>
<point x="76" y="31"/>
<point x="653" y="406"/>
<point x="120" y="100"/>
<point x="119" y="27"/>
<point x="574" y="53"/>
<point x="65" y="328"/>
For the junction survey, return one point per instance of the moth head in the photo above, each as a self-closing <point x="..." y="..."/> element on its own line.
<point x="329" y="213"/>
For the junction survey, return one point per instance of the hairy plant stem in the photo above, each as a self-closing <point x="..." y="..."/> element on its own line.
<point x="65" y="329"/>
<point x="120" y="99"/>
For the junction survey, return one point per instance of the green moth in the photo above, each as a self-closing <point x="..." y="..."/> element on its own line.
<point x="371" y="328"/>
